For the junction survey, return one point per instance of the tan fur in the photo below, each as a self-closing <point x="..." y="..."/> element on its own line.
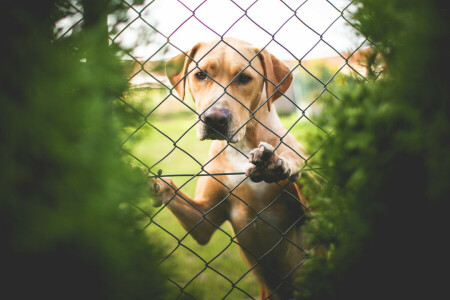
<point x="269" y="244"/>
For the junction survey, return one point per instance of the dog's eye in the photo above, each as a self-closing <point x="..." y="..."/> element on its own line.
<point x="201" y="75"/>
<point x="243" y="79"/>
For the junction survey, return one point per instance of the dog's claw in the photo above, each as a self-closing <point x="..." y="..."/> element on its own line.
<point x="249" y="171"/>
<point x="279" y="162"/>
<point x="267" y="165"/>
<point x="156" y="187"/>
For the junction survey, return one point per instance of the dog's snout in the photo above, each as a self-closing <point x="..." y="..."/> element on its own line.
<point x="218" y="118"/>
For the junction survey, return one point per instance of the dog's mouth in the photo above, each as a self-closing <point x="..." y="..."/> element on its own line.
<point x="207" y="132"/>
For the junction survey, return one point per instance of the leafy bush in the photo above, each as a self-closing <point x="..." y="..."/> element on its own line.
<point x="68" y="222"/>
<point x="381" y="220"/>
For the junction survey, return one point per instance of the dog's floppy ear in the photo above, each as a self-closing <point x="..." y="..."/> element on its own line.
<point x="177" y="67"/>
<point x="275" y="71"/>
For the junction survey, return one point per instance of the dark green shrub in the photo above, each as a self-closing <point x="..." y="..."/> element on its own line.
<point x="381" y="221"/>
<point x="68" y="225"/>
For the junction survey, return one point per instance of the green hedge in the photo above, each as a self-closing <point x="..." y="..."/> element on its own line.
<point x="68" y="225"/>
<point x="381" y="220"/>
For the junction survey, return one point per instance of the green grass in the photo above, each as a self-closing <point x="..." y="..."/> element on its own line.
<point x="152" y="148"/>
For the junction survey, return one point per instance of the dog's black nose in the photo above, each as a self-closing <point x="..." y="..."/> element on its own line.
<point x="218" y="118"/>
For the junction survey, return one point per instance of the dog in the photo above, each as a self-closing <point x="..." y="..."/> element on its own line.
<point x="234" y="85"/>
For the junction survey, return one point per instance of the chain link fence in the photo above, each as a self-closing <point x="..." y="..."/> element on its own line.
<point x="164" y="141"/>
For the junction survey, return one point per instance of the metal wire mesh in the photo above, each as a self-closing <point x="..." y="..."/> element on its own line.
<point x="150" y="118"/>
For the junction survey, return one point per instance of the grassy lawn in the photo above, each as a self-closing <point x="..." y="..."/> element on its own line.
<point x="188" y="259"/>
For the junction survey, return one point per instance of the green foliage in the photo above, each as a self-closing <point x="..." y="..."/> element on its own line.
<point x="387" y="161"/>
<point x="68" y="223"/>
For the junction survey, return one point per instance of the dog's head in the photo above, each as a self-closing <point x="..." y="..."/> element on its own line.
<point x="226" y="81"/>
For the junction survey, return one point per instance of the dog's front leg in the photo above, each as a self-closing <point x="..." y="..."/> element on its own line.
<point x="195" y="215"/>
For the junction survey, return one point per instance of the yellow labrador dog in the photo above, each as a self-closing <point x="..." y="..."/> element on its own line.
<point x="264" y="207"/>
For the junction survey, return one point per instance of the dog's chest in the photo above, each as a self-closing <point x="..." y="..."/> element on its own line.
<point x="237" y="162"/>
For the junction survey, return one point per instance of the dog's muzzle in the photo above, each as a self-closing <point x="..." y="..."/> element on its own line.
<point x="217" y="123"/>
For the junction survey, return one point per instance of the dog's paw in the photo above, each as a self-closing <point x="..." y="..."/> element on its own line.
<point x="162" y="188"/>
<point x="266" y="165"/>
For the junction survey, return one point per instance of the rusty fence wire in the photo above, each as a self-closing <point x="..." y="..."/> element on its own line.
<point x="198" y="265"/>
